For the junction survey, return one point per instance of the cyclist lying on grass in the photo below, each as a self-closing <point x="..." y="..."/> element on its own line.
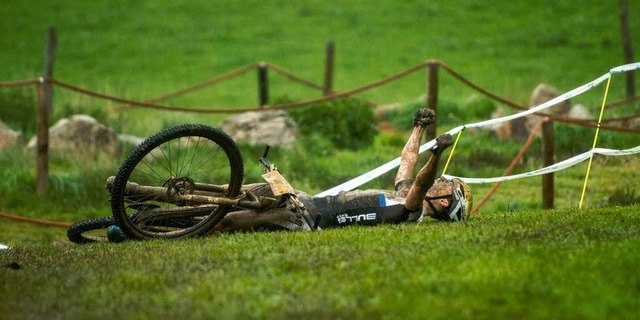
<point x="441" y="198"/>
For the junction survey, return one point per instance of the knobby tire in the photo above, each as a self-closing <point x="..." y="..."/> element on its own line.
<point x="189" y="153"/>
<point x="77" y="232"/>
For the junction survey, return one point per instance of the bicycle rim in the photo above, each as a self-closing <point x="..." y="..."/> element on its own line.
<point x="175" y="160"/>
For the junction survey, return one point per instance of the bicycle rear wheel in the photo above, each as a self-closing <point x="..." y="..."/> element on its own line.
<point x="175" y="160"/>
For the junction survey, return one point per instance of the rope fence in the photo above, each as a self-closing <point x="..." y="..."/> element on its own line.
<point x="150" y="103"/>
<point x="19" y="83"/>
<point x="208" y="83"/>
<point x="34" y="220"/>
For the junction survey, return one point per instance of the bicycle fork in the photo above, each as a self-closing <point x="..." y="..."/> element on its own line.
<point x="281" y="187"/>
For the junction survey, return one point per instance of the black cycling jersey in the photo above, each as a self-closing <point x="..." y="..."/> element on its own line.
<point x="359" y="207"/>
<point x="368" y="207"/>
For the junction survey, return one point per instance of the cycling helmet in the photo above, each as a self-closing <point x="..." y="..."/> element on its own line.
<point x="460" y="203"/>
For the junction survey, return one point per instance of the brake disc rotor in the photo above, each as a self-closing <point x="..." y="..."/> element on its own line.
<point x="179" y="186"/>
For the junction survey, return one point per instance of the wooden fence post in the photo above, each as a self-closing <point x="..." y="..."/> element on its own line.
<point x="432" y="97"/>
<point x="547" y="158"/>
<point x="328" y="70"/>
<point x="627" y="47"/>
<point x="45" y="106"/>
<point x="263" y="84"/>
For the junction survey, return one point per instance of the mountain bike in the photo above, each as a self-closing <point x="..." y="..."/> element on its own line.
<point x="181" y="182"/>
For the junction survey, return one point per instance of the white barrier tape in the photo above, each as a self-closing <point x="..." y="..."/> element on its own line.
<point x="552" y="168"/>
<point x="366" y="177"/>
<point x="626" y="67"/>
<point x="573" y="93"/>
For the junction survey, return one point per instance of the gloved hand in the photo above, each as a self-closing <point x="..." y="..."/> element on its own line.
<point x="442" y="142"/>
<point x="424" y="117"/>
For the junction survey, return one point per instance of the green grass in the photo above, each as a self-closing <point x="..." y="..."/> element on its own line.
<point x="143" y="49"/>
<point x="560" y="264"/>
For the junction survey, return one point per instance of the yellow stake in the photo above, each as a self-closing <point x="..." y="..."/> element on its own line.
<point x="452" y="150"/>
<point x="604" y="100"/>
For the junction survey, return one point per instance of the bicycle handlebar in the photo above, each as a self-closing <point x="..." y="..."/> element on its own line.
<point x="268" y="165"/>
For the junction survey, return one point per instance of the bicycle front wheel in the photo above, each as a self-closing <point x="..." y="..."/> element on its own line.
<point x="90" y="230"/>
<point x="175" y="161"/>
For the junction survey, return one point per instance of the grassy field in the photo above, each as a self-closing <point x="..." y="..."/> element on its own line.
<point x="144" y="49"/>
<point x="559" y="264"/>
<point x="512" y="260"/>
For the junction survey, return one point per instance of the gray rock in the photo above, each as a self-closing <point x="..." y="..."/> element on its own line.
<point x="510" y="130"/>
<point x="130" y="139"/>
<point x="541" y="94"/>
<point x="9" y="138"/>
<point x="273" y="127"/>
<point x="81" y="134"/>
<point x="580" y="112"/>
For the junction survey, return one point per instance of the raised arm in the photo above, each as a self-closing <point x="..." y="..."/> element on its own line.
<point x="427" y="174"/>
<point x="409" y="157"/>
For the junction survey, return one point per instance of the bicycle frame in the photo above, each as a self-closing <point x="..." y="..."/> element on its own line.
<point x="202" y="194"/>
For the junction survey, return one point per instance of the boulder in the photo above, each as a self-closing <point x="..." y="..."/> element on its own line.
<point x="9" y="138"/>
<point x="634" y="123"/>
<point x="130" y="139"/>
<point x="510" y="130"/>
<point x="134" y="141"/>
<point x="273" y="127"/>
<point x="541" y="94"/>
<point x="580" y="112"/>
<point x="81" y="134"/>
